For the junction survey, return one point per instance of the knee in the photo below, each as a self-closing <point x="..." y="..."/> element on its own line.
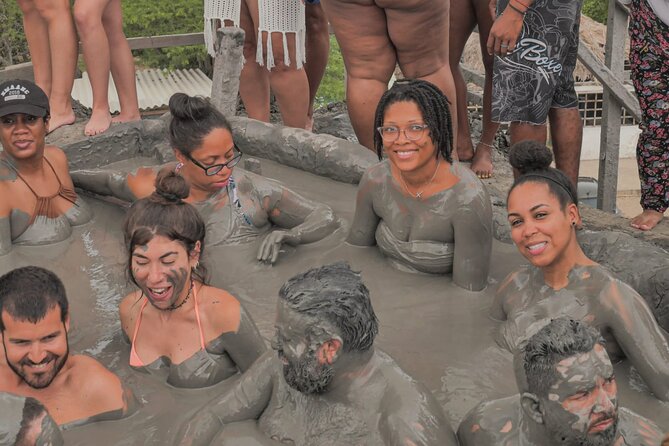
<point x="250" y="50"/>
<point x="85" y="18"/>
<point x="50" y="11"/>
<point x="280" y="68"/>
<point x="27" y="6"/>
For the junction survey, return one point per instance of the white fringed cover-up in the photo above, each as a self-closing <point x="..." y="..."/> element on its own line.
<point x="276" y="16"/>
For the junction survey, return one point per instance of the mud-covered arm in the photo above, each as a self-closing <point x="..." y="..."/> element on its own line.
<point x="638" y="334"/>
<point x="246" y="345"/>
<point x="365" y="219"/>
<point x="472" y="234"/>
<point x="421" y="423"/>
<point x="126" y="186"/>
<point x="245" y="401"/>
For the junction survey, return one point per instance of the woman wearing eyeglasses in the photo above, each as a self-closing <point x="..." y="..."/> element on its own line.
<point x="237" y="206"/>
<point x="423" y="210"/>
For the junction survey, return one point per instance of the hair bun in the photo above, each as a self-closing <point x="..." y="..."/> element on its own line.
<point x="171" y="188"/>
<point x="186" y="107"/>
<point x="530" y="156"/>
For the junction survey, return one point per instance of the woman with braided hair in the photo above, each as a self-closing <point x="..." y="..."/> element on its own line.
<point x="423" y="210"/>
<point x="562" y="281"/>
<point x="192" y="333"/>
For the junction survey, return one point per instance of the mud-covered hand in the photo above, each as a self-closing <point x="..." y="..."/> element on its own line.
<point x="271" y="245"/>
<point x="505" y="32"/>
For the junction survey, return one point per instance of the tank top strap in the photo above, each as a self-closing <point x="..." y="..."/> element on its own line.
<point x="65" y="192"/>
<point x="197" y="317"/>
<point x="54" y="172"/>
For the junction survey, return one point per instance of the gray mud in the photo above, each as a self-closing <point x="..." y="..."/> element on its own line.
<point x="436" y="331"/>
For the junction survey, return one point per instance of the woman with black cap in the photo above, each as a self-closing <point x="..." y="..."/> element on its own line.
<point x="39" y="203"/>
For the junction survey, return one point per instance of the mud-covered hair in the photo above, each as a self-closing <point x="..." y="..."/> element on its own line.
<point x="533" y="162"/>
<point x="28" y="293"/>
<point x="562" y="338"/>
<point x="193" y="118"/>
<point x="165" y="213"/>
<point x="335" y="294"/>
<point x="433" y="105"/>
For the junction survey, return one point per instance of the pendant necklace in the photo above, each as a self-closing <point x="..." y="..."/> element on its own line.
<point x="419" y="194"/>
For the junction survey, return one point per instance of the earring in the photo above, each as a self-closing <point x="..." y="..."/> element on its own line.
<point x="573" y="223"/>
<point x="178" y="167"/>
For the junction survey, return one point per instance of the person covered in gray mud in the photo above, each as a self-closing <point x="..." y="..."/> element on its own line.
<point x="568" y="396"/>
<point x="195" y="334"/>
<point x="423" y="210"/>
<point x="39" y="204"/>
<point x="326" y="384"/>
<point x="237" y="206"/>
<point x="561" y="280"/>
<point x="25" y="422"/>
<point x="34" y="321"/>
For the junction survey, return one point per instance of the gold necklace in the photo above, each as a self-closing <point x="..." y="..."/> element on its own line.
<point x="420" y="193"/>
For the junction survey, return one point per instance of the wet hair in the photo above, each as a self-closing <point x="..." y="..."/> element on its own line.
<point x="561" y="339"/>
<point x="433" y="105"/>
<point x="165" y="213"/>
<point x="28" y="293"/>
<point x="336" y="294"/>
<point x="193" y="118"/>
<point x="33" y="410"/>
<point x="533" y="162"/>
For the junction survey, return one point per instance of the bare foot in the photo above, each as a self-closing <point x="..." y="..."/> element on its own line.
<point x="646" y="220"/>
<point x="58" y="120"/>
<point x="482" y="161"/>
<point x="99" y="122"/>
<point x="465" y="153"/>
<point x="126" y="117"/>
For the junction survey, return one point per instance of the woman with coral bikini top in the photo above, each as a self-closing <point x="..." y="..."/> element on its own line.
<point x="192" y="334"/>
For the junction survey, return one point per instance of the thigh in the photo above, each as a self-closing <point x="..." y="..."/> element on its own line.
<point x="248" y="20"/>
<point x="418" y="30"/>
<point x="463" y="20"/>
<point x="362" y="33"/>
<point x="484" y="21"/>
<point x="90" y="8"/>
<point x="112" y="16"/>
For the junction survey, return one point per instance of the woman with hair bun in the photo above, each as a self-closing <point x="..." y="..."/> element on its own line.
<point x="193" y="333"/>
<point x="562" y="281"/>
<point x="237" y="206"/>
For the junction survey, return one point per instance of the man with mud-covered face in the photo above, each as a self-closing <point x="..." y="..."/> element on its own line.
<point x="568" y="397"/>
<point x="326" y="384"/>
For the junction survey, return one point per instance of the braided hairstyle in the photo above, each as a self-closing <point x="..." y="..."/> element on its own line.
<point x="433" y="105"/>
<point x="193" y="118"/>
<point x="533" y="161"/>
<point x="165" y="213"/>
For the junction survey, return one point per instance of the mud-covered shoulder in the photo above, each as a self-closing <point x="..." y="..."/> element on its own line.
<point x="490" y="423"/>
<point x="377" y="174"/>
<point x="511" y="291"/>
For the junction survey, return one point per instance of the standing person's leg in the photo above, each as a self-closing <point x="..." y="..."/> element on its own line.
<point x="463" y="21"/>
<point x="650" y="74"/>
<point x="318" y="49"/>
<point x="62" y="58"/>
<point x="122" y="63"/>
<point x="88" y="17"/>
<point x="254" y="80"/>
<point x="369" y="57"/>
<point x="36" y="32"/>
<point x="482" y="162"/>
<point x="420" y="57"/>
<point x="567" y="136"/>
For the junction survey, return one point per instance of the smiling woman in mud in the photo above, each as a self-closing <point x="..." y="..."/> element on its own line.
<point x="423" y="210"/>
<point x="38" y="205"/>
<point x="236" y="207"/>
<point x="195" y="334"/>
<point x="562" y="281"/>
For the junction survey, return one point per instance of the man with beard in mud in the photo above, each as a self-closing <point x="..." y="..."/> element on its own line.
<point x="329" y="385"/>
<point x="568" y="397"/>
<point x="34" y="321"/>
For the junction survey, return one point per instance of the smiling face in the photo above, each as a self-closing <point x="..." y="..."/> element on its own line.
<point x="36" y="352"/>
<point x="540" y="228"/>
<point x="405" y="154"/>
<point x="22" y="136"/>
<point x="162" y="270"/>
<point x="216" y="148"/>
<point x="302" y="369"/>
<point x="581" y="407"/>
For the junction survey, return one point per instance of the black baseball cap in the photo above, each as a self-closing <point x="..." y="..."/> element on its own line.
<point x="21" y="96"/>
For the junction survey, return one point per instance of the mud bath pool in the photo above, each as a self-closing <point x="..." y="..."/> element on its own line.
<point x="437" y="332"/>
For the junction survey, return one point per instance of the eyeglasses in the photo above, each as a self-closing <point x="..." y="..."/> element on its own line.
<point x="213" y="170"/>
<point x="412" y="133"/>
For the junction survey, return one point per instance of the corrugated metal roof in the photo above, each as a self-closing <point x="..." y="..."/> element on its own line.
<point x="154" y="87"/>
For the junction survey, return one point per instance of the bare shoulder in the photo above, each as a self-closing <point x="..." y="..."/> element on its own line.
<point x="92" y="378"/>
<point x="142" y="181"/>
<point x="221" y="308"/>
<point x="55" y="155"/>
<point x="128" y="310"/>
<point x="638" y="430"/>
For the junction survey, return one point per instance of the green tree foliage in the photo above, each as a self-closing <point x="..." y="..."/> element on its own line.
<point x="596" y="9"/>
<point x="13" y="45"/>
<point x="159" y="17"/>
